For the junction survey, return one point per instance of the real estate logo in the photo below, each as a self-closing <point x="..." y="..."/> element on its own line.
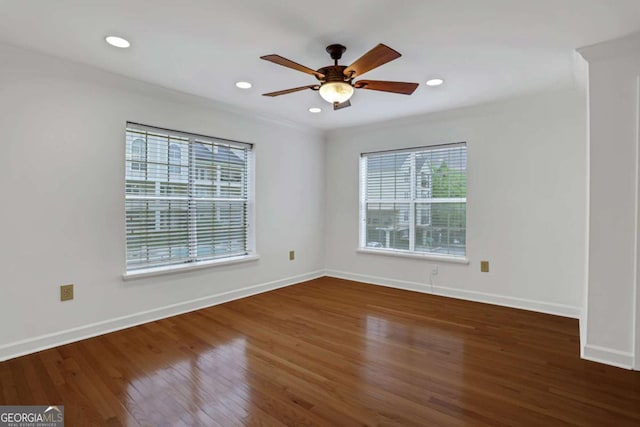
<point x="32" y="416"/>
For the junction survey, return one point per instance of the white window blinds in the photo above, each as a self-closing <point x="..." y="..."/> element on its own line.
<point x="415" y="200"/>
<point x="186" y="197"/>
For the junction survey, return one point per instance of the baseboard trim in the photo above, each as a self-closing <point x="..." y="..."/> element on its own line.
<point x="525" y="304"/>
<point x="583" y="334"/>
<point x="608" y="356"/>
<point x="43" y="342"/>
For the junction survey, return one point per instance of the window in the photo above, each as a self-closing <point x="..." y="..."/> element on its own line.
<point x="414" y="201"/>
<point x="175" y="158"/>
<point x="181" y="206"/>
<point x="138" y="155"/>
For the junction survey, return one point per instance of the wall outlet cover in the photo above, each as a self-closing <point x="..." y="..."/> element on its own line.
<point x="66" y="292"/>
<point x="484" y="266"/>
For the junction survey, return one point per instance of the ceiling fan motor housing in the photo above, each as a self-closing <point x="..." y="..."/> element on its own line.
<point x="333" y="73"/>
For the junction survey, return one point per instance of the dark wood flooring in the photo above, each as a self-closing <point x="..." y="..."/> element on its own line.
<point x="331" y="352"/>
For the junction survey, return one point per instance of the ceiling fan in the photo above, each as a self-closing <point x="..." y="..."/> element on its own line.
<point x="336" y="81"/>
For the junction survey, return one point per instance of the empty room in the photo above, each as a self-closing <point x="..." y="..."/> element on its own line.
<point x="278" y="213"/>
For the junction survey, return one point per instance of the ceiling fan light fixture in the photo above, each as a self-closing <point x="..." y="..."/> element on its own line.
<point x="333" y="92"/>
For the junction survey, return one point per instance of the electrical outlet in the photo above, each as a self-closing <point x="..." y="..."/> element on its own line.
<point x="434" y="270"/>
<point x="484" y="266"/>
<point x="66" y="292"/>
<point x="292" y="255"/>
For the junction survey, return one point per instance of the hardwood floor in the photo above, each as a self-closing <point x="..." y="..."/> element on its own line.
<point x="331" y="352"/>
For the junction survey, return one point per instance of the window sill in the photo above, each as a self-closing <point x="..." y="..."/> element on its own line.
<point x="171" y="269"/>
<point x="426" y="257"/>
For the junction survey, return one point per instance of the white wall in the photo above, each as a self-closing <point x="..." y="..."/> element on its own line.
<point x="612" y="323"/>
<point x="526" y="202"/>
<point x="62" y="216"/>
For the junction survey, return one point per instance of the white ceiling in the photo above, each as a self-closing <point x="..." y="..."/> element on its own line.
<point x="485" y="50"/>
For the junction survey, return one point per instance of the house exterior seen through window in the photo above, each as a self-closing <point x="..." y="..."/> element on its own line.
<point x="138" y="155"/>
<point x="414" y="200"/>
<point x="187" y="198"/>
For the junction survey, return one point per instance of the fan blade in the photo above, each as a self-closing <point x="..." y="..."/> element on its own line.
<point x="277" y="59"/>
<point x="376" y="57"/>
<point x="345" y="104"/>
<point x="295" y="89"/>
<point x="384" y="86"/>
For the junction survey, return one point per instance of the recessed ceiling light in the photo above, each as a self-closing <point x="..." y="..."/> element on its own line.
<point x="243" y="85"/>
<point x="117" y="42"/>
<point x="435" y="82"/>
<point x="315" y="110"/>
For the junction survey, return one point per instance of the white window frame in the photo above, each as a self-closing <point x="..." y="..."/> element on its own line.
<point x="250" y="253"/>
<point x="412" y="201"/>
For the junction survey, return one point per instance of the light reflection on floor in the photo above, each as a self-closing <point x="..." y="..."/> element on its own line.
<point x="206" y="386"/>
